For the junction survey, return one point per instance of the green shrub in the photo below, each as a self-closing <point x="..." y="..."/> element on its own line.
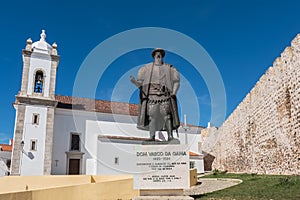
<point x="289" y="181"/>
<point x="215" y="172"/>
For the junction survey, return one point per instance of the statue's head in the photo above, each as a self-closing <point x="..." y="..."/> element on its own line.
<point x="163" y="53"/>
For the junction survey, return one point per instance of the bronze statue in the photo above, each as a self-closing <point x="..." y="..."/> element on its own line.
<point x="158" y="83"/>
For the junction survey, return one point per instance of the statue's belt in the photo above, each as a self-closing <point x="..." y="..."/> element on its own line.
<point x="158" y="100"/>
<point x="157" y="89"/>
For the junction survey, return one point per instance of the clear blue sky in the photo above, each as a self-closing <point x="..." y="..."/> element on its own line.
<point x="242" y="37"/>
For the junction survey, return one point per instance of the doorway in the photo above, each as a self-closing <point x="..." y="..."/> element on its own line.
<point x="74" y="166"/>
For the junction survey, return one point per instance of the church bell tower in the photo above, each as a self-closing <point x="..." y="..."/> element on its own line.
<point x="35" y="105"/>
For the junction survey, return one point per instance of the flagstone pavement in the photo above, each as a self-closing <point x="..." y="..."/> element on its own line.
<point x="207" y="185"/>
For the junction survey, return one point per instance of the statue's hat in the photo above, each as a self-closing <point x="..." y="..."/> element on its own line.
<point x="158" y="50"/>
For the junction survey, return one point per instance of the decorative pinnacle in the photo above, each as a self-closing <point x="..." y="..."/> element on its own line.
<point x="54" y="45"/>
<point x="43" y="36"/>
<point x="28" y="44"/>
<point x="29" y="41"/>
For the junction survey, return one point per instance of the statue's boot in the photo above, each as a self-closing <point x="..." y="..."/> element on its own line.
<point x="152" y="132"/>
<point x="169" y="129"/>
<point x="152" y="138"/>
<point x="170" y="136"/>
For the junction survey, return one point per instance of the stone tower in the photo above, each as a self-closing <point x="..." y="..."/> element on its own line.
<point x="35" y="105"/>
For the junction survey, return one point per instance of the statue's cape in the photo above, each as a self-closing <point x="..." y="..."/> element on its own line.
<point x="145" y="72"/>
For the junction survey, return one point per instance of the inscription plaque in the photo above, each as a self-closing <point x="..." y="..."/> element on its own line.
<point x="162" y="167"/>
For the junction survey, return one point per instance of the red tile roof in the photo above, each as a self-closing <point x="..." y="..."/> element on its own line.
<point x="5" y="147"/>
<point x="93" y="105"/>
<point x="191" y="153"/>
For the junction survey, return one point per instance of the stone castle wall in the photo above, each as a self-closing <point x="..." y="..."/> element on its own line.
<point x="262" y="135"/>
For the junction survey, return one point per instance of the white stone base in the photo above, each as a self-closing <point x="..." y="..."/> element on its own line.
<point x="162" y="167"/>
<point x="167" y="192"/>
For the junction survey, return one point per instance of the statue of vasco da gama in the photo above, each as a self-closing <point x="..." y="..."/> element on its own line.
<point x="158" y="83"/>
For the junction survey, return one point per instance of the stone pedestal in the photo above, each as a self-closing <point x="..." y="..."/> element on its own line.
<point x="162" y="170"/>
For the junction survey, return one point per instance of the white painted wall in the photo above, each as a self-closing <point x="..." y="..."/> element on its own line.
<point x="42" y="62"/>
<point x="32" y="162"/>
<point x="99" y="155"/>
<point x="112" y="129"/>
<point x="63" y="126"/>
<point x="198" y="164"/>
<point x="3" y="168"/>
<point x="193" y="137"/>
<point x="108" y="151"/>
<point x="5" y="156"/>
<point x="89" y="125"/>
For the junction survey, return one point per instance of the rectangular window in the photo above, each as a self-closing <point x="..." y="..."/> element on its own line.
<point x="75" y="142"/>
<point x="35" y="118"/>
<point x="192" y="164"/>
<point x="33" y="145"/>
<point x="116" y="160"/>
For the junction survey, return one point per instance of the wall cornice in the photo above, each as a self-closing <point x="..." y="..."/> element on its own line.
<point x="36" y="101"/>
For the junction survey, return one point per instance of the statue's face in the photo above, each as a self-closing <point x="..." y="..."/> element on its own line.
<point x="158" y="58"/>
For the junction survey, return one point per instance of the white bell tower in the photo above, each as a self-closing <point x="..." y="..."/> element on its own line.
<point x="35" y="105"/>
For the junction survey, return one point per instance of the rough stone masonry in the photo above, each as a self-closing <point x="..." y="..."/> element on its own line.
<point x="262" y="135"/>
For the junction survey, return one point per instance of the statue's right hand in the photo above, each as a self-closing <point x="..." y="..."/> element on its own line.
<point x="135" y="82"/>
<point x="132" y="79"/>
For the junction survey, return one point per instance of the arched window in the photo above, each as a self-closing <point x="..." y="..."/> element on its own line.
<point x="38" y="83"/>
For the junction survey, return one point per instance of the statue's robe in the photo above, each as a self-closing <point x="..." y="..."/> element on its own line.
<point x="171" y="77"/>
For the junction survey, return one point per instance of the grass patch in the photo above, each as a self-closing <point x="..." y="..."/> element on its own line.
<point x="257" y="187"/>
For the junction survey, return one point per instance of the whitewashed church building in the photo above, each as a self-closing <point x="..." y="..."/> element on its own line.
<point x="68" y="135"/>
